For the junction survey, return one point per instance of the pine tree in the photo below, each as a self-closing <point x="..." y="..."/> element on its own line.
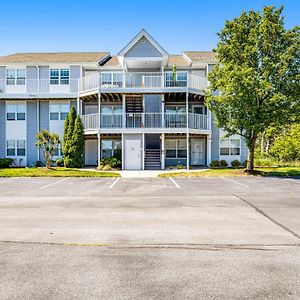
<point x="68" y="150"/>
<point x="64" y="143"/>
<point x="78" y="145"/>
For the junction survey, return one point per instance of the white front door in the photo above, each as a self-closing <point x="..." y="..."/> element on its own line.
<point x="197" y="152"/>
<point x="133" y="155"/>
<point x="90" y="152"/>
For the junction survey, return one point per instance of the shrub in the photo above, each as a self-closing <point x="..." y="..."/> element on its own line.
<point x="223" y="163"/>
<point x="5" y="162"/>
<point x="244" y="164"/>
<point x="109" y="163"/>
<point x="179" y="167"/>
<point x="38" y="164"/>
<point x="59" y="162"/>
<point x="235" y="163"/>
<point x="214" y="164"/>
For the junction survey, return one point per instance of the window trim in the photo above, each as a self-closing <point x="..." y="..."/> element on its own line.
<point x="16" y="77"/>
<point x="59" y="78"/>
<point x="16" y="111"/>
<point x="16" y="148"/>
<point x="59" y="112"/>
<point x="230" y="146"/>
<point x="177" y="149"/>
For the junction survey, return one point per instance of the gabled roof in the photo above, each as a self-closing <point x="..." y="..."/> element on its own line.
<point x="143" y="33"/>
<point x="200" y="56"/>
<point x="177" y="60"/>
<point x="60" y="57"/>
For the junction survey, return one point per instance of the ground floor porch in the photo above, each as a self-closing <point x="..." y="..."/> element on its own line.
<point x="149" y="151"/>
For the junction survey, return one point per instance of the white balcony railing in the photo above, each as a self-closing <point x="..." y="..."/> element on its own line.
<point x="145" y="120"/>
<point x="38" y="86"/>
<point x="141" y="80"/>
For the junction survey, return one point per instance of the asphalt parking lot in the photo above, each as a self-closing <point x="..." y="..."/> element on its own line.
<point x="108" y="238"/>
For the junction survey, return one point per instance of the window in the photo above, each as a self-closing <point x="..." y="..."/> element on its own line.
<point x="173" y="109"/>
<point x="59" y="111"/>
<point x="15" y="112"/>
<point x="64" y="76"/>
<point x="230" y="146"/>
<point x="15" y="76"/>
<point x="177" y="79"/>
<point x="176" y="148"/>
<point x="10" y="148"/>
<point x="59" y="76"/>
<point x="15" y="148"/>
<point x="21" y="148"/>
<point x="110" y="148"/>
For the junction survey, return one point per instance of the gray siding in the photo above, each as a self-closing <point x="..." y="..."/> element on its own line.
<point x="31" y="82"/>
<point x="152" y="103"/>
<point x="31" y="132"/>
<point x="2" y="79"/>
<point x="244" y="150"/>
<point x="215" y="136"/>
<point x="74" y="74"/>
<point x="141" y="49"/>
<point x="44" y="74"/>
<point x="2" y="129"/>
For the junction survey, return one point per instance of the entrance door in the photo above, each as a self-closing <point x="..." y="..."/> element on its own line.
<point x="133" y="160"/>
<point x="197" y="152"/>
<point x="91" y="152"/>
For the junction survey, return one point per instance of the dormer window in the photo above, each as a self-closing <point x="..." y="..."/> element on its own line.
<point x="59" y="76"/>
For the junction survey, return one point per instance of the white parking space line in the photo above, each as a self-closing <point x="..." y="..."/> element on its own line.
<point x="236" y="182"/>
<point x="8" y="180"/>
<point x="175" y="183"/>
<point x="114" y="183"/>
<point x="53" y="183"/>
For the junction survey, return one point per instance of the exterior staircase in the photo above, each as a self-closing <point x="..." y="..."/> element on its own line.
<point x="134" y="104"/>
<point x="152" y="159"/>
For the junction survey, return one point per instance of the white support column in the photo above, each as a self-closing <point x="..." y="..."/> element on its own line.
<point x="99" y="109"/>
<point x="123" y="111"/>
<point x="208" y="155"/>
<point x="187" y="132"/>
<point x="81" y="105"/>
<point x="38" y="124"/>
<point x="78" y="105"/>
<point x="99" y="147"/>
<point x="163" y="155"/>
<point x="143" y="152"/>
<point x="163" y="110"/>
<point x="123" y="152"/>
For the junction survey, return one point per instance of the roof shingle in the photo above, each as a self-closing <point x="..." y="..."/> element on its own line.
<point x="59" y="57"/>
<point x="201" y="55"/>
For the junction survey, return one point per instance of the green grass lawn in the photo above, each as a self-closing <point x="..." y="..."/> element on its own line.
<point x="53" y="172"/>
<point x="280" y="172"/>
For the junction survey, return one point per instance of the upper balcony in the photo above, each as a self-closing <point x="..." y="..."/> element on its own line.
<point x="146" y="122"/>
<point x="32" y="88"/>
<point x="118" y="82"/>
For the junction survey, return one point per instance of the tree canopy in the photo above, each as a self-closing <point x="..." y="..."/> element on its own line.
<point x="256" y="83"/>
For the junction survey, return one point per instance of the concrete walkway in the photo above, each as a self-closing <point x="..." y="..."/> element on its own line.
<point x="146" y="173"/>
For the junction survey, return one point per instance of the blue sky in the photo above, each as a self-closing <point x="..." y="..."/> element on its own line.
<point x="51" y="26"/>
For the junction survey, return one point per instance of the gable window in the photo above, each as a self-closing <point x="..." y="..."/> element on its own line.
<point x="59" y="111"/>
<point x="176" y="148"/>
<point x="230" y="146"/>
<point x="59" y="76"/>
<point x="15" y="112"/>
<point x="15" y="76"/>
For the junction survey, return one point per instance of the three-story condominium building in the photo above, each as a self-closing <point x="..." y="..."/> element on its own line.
<point x="145" y="103"/>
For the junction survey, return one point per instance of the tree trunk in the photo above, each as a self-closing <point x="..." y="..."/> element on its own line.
<point x="251" y="149"/>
